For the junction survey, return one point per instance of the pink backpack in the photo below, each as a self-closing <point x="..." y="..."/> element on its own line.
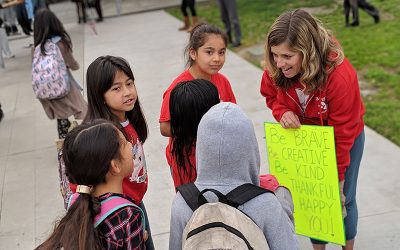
<point x="49" y="73"/>
<point x="109" y="206"/>
<point x="65" y="189"/>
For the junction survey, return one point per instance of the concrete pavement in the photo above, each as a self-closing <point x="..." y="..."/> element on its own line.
<point x="29" y="196"/>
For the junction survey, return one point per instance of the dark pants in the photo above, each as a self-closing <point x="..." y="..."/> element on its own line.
<point x="367" y="7"/>
<point x="82" y="5"/>
<point x="23" y="20"/>
<point x="230" y="18"/>
<point x="99" y="11"/>
<point x="80" y="11"/>
<point x="190" y="4"/>
<point x="351" y="6"/>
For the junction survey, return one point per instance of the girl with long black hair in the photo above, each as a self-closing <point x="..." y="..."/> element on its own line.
<point x="112" y="95"/>
<point x="48" y="27"/>
<point x="98" y="158"/>
<point x="189" y="101"/>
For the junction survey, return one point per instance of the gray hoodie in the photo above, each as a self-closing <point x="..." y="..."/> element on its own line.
<point x="227" y="156"/>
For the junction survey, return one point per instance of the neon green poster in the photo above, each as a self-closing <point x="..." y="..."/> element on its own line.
<point x="304" y="160"/>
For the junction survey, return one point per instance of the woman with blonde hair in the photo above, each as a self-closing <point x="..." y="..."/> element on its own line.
<point x="307" y="80"/>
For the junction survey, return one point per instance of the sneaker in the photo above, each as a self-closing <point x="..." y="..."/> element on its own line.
<point x="354" y="24"/>
<point x="377" y="19"/>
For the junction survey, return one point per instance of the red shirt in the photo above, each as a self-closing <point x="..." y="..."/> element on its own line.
<point x="225" y="94"/>
<point x="181" y="179"/>
<point x="338" y="105"/>
<point x="224" y="90"/>
<point x="134" y="190"/>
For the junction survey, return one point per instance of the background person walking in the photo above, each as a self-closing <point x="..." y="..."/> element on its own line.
<point x="186" y="20"/>
<point x="230" y="18"/>
<point x="48" y="26"/>
<point x="351" y="6"/>
<point x="4" y="46"/>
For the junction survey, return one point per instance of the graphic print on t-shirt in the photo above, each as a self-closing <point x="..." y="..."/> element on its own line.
<point x="139" y="173"/>
<point x="323" y="107"/>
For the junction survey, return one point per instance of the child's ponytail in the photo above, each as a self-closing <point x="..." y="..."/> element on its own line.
<point x="87" y="151"/>
<point x="76" y="229"/>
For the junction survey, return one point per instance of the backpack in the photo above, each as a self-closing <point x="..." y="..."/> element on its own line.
<point x="49" y="73"/>
<point x="65" y="189"/>
<point x="109" y="206"/>
<point x="221" y="225"/>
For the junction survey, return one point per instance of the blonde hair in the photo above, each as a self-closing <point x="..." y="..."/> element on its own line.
<point x="305" y="34"/>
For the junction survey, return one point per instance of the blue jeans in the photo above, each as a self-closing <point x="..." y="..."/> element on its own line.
<point x="149" y="241"/>
<point x="349" y="189"/>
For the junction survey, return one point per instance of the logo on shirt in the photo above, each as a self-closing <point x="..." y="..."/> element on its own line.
<point x="322" y="105"/>
<point x="139" y="173"/>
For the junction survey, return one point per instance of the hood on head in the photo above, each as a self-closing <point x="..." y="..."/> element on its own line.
<point x="226" y="148"/>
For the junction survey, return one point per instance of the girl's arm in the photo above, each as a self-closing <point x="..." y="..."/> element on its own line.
<point x="11" y="3"/>
<point x="165" y="129"/>
<point x="165" y="116"/>
<point x="68" y="57"/>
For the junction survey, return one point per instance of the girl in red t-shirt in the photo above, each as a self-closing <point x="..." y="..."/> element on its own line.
<point x="193" y="97"/>
<point x="205" y="54"/>
<point x="205" y="57"/>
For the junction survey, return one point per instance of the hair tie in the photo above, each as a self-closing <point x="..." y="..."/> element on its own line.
<point x="82" y="189"/>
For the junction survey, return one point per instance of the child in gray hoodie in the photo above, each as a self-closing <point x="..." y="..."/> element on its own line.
<point x="227" y="156"/>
